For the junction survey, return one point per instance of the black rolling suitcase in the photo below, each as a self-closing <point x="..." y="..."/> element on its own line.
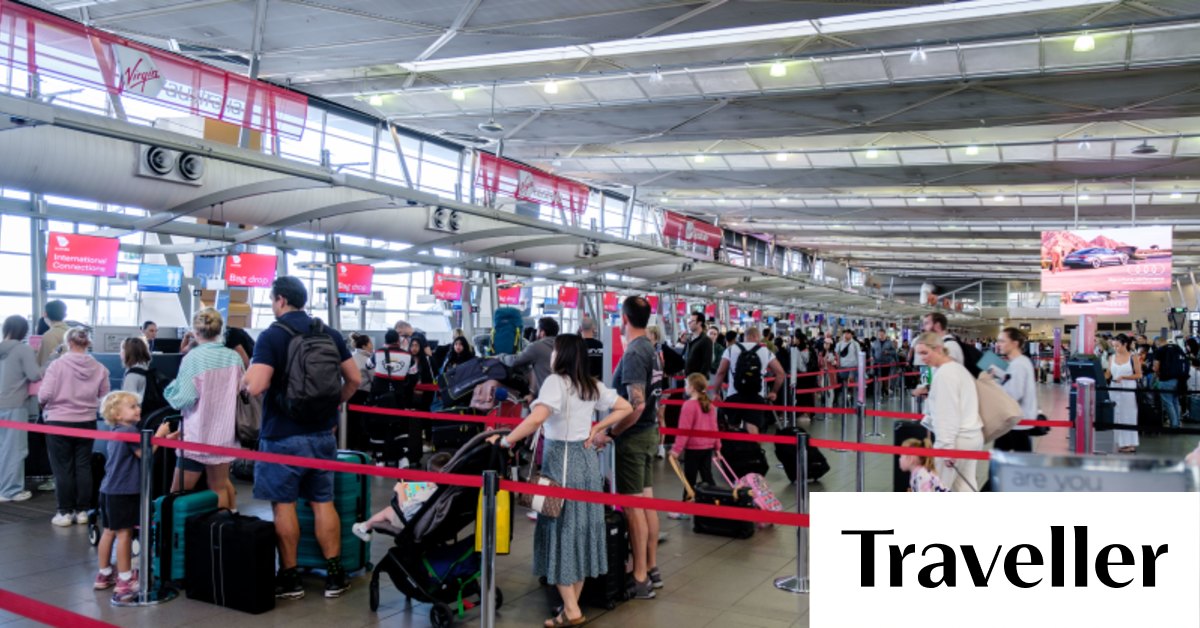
<point x="745" y="456"/>
<point x="723" y="496"/>
<point x="1150" y="412"/>
<point x="818" y="465"/>
<point x="612" y="588"/>
<point x="231" y="561"/>
<point x="902" y="431"/>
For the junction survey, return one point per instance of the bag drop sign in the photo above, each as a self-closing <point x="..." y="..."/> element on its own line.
<point x="1004" y="559"/>
<point x="250" y="270"/>
<point x="355" y="278"/>
<point x="73" y="254"/>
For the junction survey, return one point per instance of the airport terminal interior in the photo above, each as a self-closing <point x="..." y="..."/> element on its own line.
<point x="822" y="181"/>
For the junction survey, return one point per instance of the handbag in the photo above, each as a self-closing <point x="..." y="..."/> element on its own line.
<point x="543" y="504"/>
<point x="503" y="523"/>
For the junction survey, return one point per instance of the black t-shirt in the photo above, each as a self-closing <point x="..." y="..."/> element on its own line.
<point x="271" y="350"/>
<point x="595" y="357"/>
<point x="640" y="365"/>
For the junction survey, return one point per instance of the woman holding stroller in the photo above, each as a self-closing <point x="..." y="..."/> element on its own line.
<point x="571" y="547"/>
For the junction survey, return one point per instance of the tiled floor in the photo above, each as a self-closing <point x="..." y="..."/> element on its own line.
<point x="710" y="581"/>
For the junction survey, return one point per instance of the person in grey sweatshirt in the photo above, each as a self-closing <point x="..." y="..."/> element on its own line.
<point x="18" y="367"/>
<point x="536" y="356"/>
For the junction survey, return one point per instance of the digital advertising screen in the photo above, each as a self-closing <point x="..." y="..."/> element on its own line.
<point x="74" y="254"/>
<point x="355" y="278"/>
<point x="447" y="287"/>
<point x="1091" y="302"/>
<point x="159" y="278"/>
<point x="1106" y="260"/>
<point x="250" y="270"/>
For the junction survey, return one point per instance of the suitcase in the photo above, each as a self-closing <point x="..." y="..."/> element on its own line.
<point x="352" y="500"/>
<point x="1150" y="413"/>
<point x="609" y="590"/>
<point x="1193" y="407"/>
<point x="449" y="436"/>
<point x="818" y="465"/>
<point x="745" y="456"/>
<point x="232" y="561"/>
<point x="723" y="496"/>
<point x="169" y="522"/>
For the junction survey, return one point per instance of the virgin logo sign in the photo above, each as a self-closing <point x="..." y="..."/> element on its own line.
<point x="138" y="72"/>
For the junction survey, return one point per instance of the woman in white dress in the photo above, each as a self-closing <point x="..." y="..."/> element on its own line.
<point x="1124" y="371"/>
<point x="951" y="413"/>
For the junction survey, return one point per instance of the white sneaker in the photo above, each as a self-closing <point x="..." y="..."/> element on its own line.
<point x="19" y="497"/>
<point x="48" y="485"/>
<point x="360" y="530"/>
<point x="403" y="464"/>
<point x="427" y="448"/>
<point x="63" y="520"/>
<point x="531" y="515"/>
<point x="662" y="452"/>
<point x="81" y="518"/>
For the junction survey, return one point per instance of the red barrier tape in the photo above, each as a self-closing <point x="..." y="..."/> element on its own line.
<point x="895" y="449"/>
<point x="765" y="408"/>
<point x="438" y="416"/>
<point x="46" y="614"/>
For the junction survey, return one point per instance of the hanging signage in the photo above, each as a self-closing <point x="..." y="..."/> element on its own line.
<point x="611" y="302"/>
<point x="355" y="278"/>
<point x="691" y="230"/>
<point x="733" y="314"/>
<point x="756" y="315"/>
<point x="50" y="45"/>
<point x="501" y="176"/>
<point x="249" y="270"/>
<point x="568" y="297"/>
<point x="447" y="287"/>
<point x="1137" y="258"/>
<point x="159" y="278"/>
<point x="653" y="300"/>
<point x="681" y="308"/>
<point x="710" y="311"/>
<point x="73" y="254"/>
<point x="509" y="296"/>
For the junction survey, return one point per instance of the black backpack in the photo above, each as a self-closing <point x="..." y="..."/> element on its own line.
<point x="312" y="375"/>
<point x="747" y="371"/>
<point x="153" y="398"/>
<point x="971" y="356"/>
<point x="1174" y="363"/>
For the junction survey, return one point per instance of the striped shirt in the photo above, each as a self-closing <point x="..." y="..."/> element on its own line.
<point x="206" y="392"/>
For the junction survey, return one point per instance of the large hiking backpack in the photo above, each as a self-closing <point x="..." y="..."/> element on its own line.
<point x="748" y="371"/>
<point x="971" y="356"/>
<point x="153" y="398"/>
<point x="312" y="375"/>
<point x="507" y="324"/>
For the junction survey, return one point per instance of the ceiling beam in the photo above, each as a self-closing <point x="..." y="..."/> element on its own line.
<point x="460" y="21"/>
<point x="704" y="8"/>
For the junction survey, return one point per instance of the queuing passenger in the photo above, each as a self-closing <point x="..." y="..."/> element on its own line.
<point x="206" y="392"/>
<point x="536" y="357"/>
<point x="240" y="342"/>
<point x="952" y="413"/>
<point x="404" y="331"/>
<point x="595" y="348"/>
<point x="572" y="546"/>
<point x="460" y="351"/>
<point x="364" y="354"/>
<point x="654" y="335"/>
<point x="884" y="354"/>
<point x="419" y="372"/>
<point x="56" y="332"/>
<point x="71" y="392"/>
<point x="848" y="356"/>
<point x="391" y="367"/>
<point x="1020" y="383"/>
<point x="18" y="368"/>
<point x="407" y="502"/>
<point x="120" y="503"/>
<point x="134" y="355"/>
<point x="1170" y="367"/>
<point x="282" y="484"/>
<point x="807" y="368"/>
<point x="753" y="421"/>
<point x="150" y="334"/>
<point x="934" y="322"/>
<point x="718" y="348"/>
<point x="699" y="349"/>
<point x="698" y="414"/>
<point x="921" y="478"/>
<point x="1125" y="371"/>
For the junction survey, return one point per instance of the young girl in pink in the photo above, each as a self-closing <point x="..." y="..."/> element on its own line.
<point x="698" y="413"/>
<point x="921" y="478"/>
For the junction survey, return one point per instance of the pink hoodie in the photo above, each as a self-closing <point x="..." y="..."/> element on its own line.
<point x="72" y="388"/>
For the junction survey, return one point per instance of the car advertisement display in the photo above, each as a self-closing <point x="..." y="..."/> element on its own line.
<point x="250" y="270"/>
<point x="1104" y="260"/>
<point x="1091" y="302"/>
<point x="159" y="278"/>
<point x="355" y="278"/>
<point x="74" y="254"/>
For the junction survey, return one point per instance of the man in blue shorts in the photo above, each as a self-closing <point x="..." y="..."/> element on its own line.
<point x="312" y="438"/>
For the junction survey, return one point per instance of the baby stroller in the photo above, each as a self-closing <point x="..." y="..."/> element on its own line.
<point x="429" y="562"/>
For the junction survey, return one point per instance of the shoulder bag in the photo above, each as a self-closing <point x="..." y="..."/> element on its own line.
<point x="546" y="505"/>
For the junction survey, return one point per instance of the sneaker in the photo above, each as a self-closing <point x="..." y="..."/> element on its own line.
<point x="677" y="516"/>
<point x="642" y="590"/>
<point x="531" y="515"/>
<point x="426" y="448"/>
<point x="63" y="520"/>
<point x="336" y="582"/>
<point x="662" y="537"/>
<point x="655" y="577"/>
<point x="288" y="585"/>
<point x="105" y="582"/>
<point x="47" y="486"/>
<point x="127" y="590"/>
<point x="81" y="518"/>
<point x="360" y="530"/>
<point x="19" y="497"/>
<point x="662" y="452"/>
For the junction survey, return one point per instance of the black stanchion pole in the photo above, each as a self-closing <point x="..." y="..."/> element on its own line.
<point x="487" y="571"/>
<point x="799" y="582"/>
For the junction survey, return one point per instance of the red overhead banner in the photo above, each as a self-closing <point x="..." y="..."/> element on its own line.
<point x="611" y="303"/>
<point x="49" y="45"/>
<point x="690" y="230"/>
<point x="447" y="287"/>
<point x="681" y="308"/>
<point x="756" y="315"/>
<point x="250" y="270"/>
<point x="501" y="176"/>
<point x="510" y="296"/>
<point x="568" y="297"/>
<point x="710" y="310"/>
<point x="72" y="254"/>
<point x="355" y="278"/>
<point x="733" y="313"/>
<point x="653" y="300"/>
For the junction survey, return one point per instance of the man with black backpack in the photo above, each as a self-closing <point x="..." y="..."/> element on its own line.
<point x="749" y="361"/>
<point x="306" y="371"/>
<point x="1170" y="367"/>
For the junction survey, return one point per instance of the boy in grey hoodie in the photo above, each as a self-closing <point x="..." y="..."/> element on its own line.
<point x="18" y="367"/>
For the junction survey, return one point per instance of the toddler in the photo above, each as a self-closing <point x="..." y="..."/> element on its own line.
<point x="921" y="477"/>
<point x="120" y="495"/>
<point x="407" y="501"/>
<point x="697" y="413"/>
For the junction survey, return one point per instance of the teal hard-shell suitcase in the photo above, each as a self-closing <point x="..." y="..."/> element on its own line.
<point x="352" y="500"/>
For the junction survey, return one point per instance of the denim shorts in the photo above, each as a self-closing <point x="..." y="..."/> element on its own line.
<point x="282" y="484"/>
<point x="187" y="464"/>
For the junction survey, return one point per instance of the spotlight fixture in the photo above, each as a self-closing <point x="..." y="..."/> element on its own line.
<point x="656" y="76"/>
<point x="1176" y="195"/>
<point x="1085" y="43"/>
<point x="1085" y="197"/>
<point x="1085" y="143"/>
<point x="781" y="157"/>
<point x="700" y="158"/>
<point x="971" y="150"/>
<point x="778" y="69"/>
<point x="551" y="87"/>
<point x="665" y="199"/>
<point x="918" y="56"/>
<point x="458" y="93"/>
<point x="921" y="199"/>
<point x="999" y="198"/>
<point x="872" y="153"/>
<point x="375" y="100"/>
<point x="1145" y="148"/>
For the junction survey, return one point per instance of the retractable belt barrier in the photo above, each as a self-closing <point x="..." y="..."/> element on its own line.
<point x="44" y="613"/>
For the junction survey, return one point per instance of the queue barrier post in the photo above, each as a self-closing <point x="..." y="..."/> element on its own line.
<point x="799" y="582"/>
<point x="487" y="570"/>
<point x="860" y="424"/>
<point x="1085" y="415"/>
<point x="875" y="433"/>
<point x="145" y="596"/>
<point x="845" y="404"/>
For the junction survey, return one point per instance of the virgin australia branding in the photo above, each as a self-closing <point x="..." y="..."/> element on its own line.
<point x="138" y="73"/>
<point x="1004" y="559"/>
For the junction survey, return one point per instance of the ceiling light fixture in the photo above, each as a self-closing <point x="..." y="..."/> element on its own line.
<point x="1085" y="43"/>
<point x="921" y="199"/>
<point x="1085" y="197"/>
<point x="551" y="87"/>
<point x="1176" y="195"/>
<point x="1145" y="148"/>
<point x="665" y="199"/>
<point x="971" y="150"/>
<point x="781" y="157"/>
<point x="872" y="153"/>
<point x="778" y="69"/>
<point x="375" y="100"/>
<point x="918" y="56"/>
<point x="458" y="94"/>
<point x="999" y="198"/>
<point x="1085" y="143"/>
<point x="700" y="158"/>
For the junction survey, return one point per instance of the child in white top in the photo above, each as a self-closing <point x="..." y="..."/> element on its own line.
<point x="921" y="477"/>
<point x="409" y="498"/>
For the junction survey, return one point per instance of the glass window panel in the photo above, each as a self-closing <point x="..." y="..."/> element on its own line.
<point x="14" y="234"/>
<point x="308" y="147"/>
<point x="17" y="272"/>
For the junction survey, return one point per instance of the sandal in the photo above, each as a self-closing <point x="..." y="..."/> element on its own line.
<point x="561" y="620"/>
